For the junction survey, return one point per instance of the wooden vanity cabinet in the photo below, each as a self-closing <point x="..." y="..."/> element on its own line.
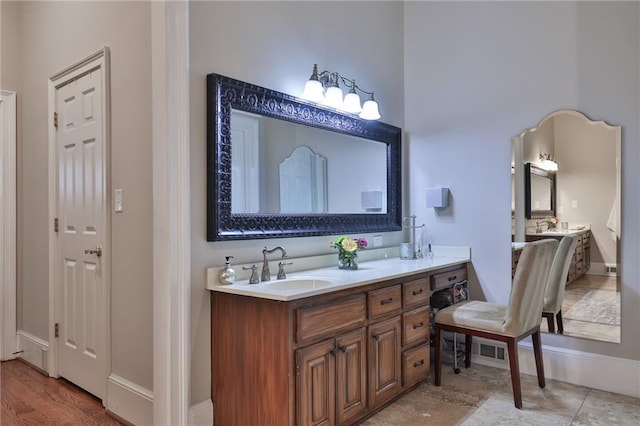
<point x="581" y="259"/>
<point x="332" y="380"/>
<point x="332" y="359"/>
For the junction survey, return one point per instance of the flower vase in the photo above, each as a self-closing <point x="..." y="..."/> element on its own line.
<point x="348" y="261"/>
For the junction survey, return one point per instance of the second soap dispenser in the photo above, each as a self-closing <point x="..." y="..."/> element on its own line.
<point x="227" y="275"/>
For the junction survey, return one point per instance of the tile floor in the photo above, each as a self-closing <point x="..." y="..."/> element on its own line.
<point x="481" y="395"/>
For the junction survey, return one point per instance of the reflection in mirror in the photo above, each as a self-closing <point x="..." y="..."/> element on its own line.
<point x="540" y="192"/>
<point x="259" y="144"/>
<point x="587" y="205"/>
<point x="303" y="182"/>
<point x="350" y="174"/>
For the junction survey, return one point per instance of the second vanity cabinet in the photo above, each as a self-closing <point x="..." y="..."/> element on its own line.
<point x="331" y="359"/>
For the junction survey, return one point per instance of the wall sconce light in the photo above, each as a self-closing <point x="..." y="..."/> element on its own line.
<point x="324" y="88"/>
<point x="547" y="162"/>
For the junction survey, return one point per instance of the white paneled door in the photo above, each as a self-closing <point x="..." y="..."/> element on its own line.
<point x="81" y="254"/>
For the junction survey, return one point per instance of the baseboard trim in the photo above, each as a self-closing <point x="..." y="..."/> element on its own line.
<point x="129" y="401"/>
<point x="201" y="414"/>
<point x="33" y="350"/>
<point x="595" y="371"/>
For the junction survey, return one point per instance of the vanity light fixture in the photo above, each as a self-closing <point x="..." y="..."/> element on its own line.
<point x="324" y="88"/>
<point x="547" y="162"/>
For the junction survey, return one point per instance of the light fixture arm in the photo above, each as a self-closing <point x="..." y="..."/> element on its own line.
<point x="328" y="78"/>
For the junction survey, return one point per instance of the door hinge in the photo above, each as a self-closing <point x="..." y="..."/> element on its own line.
<point x="55" y="120"/>
<point x="56" y="225"/>
<point x="57" y="330"/>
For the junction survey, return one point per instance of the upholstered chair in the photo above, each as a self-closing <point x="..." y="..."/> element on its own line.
<point x="510" y="323"/>
<point x="554" y="294"/>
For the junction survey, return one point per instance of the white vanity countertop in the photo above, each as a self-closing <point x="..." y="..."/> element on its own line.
<point x="518" y="246"/>
<point x="559" y="232"/>
<point x="340" y="279"/>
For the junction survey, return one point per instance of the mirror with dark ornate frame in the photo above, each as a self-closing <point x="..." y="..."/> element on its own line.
<point x="228" y="98"/>
<point x="539" y="192"/>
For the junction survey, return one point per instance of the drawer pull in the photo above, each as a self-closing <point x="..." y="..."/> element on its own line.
<point x="417" y="292"/>
<point x="386" y="301"/>
<point x="343" y="348"/>
<point x="375" y="336"/>
<point x="418" y="363"/>
<point x="453" y="278"/>
<point x="421" y="324"/>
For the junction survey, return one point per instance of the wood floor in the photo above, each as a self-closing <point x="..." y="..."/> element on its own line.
<point x="30" y="398"/>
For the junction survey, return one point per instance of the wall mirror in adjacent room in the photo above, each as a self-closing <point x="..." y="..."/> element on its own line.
<point x="586" y="203"/>
<point x="279" y="166"/>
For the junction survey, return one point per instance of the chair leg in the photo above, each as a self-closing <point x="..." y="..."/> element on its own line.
<point x="438" y="355"/>
<point x="550" y="324"/>
<point x="467" y="350"/>
<point x="537" y="352"/>
<point x="559" y="320"/>
<point x="512" y="347"/>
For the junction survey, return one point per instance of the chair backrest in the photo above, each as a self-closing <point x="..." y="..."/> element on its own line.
<point x="529" y="284"/>
<point x="554" y="294"/>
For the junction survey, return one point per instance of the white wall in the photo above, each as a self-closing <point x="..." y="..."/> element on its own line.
<point x="52" y="36"/>
<point x="478" y="73"/>
<point x="275" y="44"/>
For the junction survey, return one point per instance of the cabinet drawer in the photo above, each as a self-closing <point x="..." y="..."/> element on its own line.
<point x="385" y="301"/>
<point x="415" y="292"/>
<point x="415" y="326"/>
<point x="579" y="254"/>
<point x="447" y="279"/>
<point x="415" y="365"/>
<point x="326" y="319"/>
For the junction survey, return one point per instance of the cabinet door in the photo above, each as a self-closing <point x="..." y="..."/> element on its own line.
<point x="351" y="369"/>
<point x="316" y="384"/>
<point x="384" y="361"/>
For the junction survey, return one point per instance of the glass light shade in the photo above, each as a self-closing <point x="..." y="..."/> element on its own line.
<point x="550" y="165"/>
<point x="333" y="97"/>
<point x="352" y="103"/>
<point x="313" y="91"/>
<point x="370" y="110"/>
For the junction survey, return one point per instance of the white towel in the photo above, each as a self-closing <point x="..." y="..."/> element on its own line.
<point x="611" y="223"/>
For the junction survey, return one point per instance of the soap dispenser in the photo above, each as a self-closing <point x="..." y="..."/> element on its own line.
<point x="227" y="275"/>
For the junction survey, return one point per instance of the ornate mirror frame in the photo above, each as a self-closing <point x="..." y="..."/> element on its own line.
<point x="225" y="94"/>
<point x="529" y="210"/>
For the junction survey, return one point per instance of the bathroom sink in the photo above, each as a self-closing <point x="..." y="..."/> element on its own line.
<point x="299" y="284"/>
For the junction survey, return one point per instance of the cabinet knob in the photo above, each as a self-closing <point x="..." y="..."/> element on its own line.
<point x="343" y="348"/>
<point x="453" y="278"/>
<point x="333" y="352"/>
<point x="417" y="292"/>
<point x="418" y="363"/>
<point x="375" y="336"/>
<point x="420" y="324"/>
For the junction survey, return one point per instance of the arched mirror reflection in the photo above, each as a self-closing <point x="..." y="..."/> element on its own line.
<point x="583" y="157"/>
<point x="303" y="182"/>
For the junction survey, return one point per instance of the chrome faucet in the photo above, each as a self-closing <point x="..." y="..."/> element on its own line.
<point x="266" y="274"/>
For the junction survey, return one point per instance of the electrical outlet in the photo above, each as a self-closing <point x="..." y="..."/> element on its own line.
<point x="377" y="240"/>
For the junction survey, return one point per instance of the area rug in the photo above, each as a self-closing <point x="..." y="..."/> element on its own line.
<point x="598" y="306"/>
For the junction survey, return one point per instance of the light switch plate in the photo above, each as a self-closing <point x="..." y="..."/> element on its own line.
<point x="377" y="240"/>
<point x="118" y="201"/>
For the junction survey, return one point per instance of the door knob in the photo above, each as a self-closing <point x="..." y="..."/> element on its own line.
<point x="97" y="251"/>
